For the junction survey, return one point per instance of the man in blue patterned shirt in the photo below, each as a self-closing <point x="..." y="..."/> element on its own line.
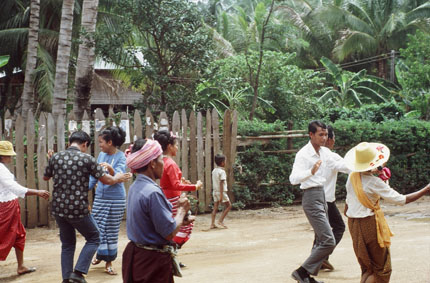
<point x="70" y="170"/>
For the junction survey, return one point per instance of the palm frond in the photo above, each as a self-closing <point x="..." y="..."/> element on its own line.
<point x="370" y="93"/>
<point x="351" y="93"/>
<point x="354" y="42"/>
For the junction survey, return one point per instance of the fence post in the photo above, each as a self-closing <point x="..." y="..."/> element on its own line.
<point x="233" y="147"/>
<point x="208" y="160"/>
<point x="8" y="134"/>
<point x="149" y="124"/>
<point x="31" y="182"/>
<point x="200" y="162"/>
<point x="176" y="126"/>
<point x="138" y="133"/>
<point x="215" y="129"/>
<point x="184" y="143"/>
<point x="226" y="141"/>
<point x="51" y="142"/>
<point x="99" y="125"/>
<point x="193" y="149"/>
<point x="41" y="164"/>
<point x="20" y="169"/>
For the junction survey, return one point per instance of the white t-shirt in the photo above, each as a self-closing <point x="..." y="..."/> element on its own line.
<point x="374" y="188"/>
<point x="9" y="188"/>
<point x="218" y="174"/>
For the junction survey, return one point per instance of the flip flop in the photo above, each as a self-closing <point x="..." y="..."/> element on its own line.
<point x="110" y="271"/>
<point x="96" y="261"/>
<point x="29" y="270"/>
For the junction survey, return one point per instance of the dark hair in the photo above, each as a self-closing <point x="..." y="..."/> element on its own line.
<point x="313" y="126"/>
<point x="138" y="144"/>
<point x="114" y="134"/>
<point x="164" y="138"/>
<point x="330" y="132"/>
<point x="219" y="158"/>
<point x="80" y="137"/>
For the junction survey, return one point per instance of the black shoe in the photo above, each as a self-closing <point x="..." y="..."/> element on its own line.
<point x="76" y="278"/>
<point x="296" y="276"/>
<point x="181" y="265"/>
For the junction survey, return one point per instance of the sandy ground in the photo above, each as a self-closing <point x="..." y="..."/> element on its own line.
<point x="263" y="245"/>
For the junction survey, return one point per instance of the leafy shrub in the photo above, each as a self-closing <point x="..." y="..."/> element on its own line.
<point x="264" y="178"/>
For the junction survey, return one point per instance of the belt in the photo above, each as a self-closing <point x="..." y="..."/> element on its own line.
<point x="160" y="248"/>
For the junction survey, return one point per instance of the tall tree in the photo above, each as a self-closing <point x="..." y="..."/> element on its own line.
<point x="255" y="77"/>
<point x="63" y="59"/>
<point x="86" y="58"/>
<point x="163" y="45"/>
<point x="33" y="33"/>
<point x="373" y="28"/>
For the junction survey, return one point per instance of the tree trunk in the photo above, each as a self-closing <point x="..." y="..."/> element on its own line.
<point x="63" y="58"/>
<point x="260" y="62"/>
<point x="33" y="34"/>
<point x="86" y="59"/>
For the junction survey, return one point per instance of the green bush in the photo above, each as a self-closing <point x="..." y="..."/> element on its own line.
<point x="409" y="145"/>
<point x="264" y="178"/>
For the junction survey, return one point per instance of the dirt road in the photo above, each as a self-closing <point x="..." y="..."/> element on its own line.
<point x="263" y="245"/>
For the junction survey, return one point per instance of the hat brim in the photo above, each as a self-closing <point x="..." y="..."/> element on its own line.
<point x="8" y="153"/>
<point x="354" y="166"/>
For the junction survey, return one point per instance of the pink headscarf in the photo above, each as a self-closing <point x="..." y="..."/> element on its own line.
<point x="149" y="151"/>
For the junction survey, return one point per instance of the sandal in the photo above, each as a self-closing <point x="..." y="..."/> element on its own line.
<point x="109" y="270"/>
<point x="96" y="261"/>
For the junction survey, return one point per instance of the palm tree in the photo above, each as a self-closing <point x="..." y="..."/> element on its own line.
<point x="33" y="34"/>
<point x="375" y="27"/>
<point x="351" y="89"/>
<point x="86" y="58"/>
<point x="63" y="58"/>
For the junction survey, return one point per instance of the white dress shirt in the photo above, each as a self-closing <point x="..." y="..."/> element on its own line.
<point x="374" y="188"/>
<point x="9" y="188"/>
<point x="330" y="174"/>
<point x="306" y="159"/>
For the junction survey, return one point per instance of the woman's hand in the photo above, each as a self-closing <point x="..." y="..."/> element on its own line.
<point x="199" y="185"/>
<point x="43" y="194"/>
<point x="107" y="167"/>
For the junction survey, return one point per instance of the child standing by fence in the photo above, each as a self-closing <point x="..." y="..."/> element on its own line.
<point x="219" y="180"/>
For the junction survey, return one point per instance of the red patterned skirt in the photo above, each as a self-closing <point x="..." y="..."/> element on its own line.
<point x="184" y="233"/>
<point x="12" y="232"/>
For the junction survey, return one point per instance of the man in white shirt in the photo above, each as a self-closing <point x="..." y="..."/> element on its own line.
<point x="330" y="174"/>
<point x="308" y="171"/>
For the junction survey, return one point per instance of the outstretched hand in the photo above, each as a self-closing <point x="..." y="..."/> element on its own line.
<point x="43" y="194"/>
<point x="199" y="185"/>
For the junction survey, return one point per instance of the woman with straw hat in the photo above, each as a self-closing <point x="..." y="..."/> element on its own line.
<point x="12" y="232"/>
<point x="369" y="230"/>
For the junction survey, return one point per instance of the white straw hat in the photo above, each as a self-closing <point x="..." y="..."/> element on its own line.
<point x="366" y="156"/>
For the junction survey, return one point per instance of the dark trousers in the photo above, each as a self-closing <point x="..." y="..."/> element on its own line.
<point x="336" y="222"/>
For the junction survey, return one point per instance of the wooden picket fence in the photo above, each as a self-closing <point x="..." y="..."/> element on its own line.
<point x="200" y="138"/>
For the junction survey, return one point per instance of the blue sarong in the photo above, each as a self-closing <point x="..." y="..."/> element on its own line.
<point x="108" y="215"/>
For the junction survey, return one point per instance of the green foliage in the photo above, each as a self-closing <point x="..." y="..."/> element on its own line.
<point x="370" y="112"/>
<point x="351" y="89"/>
<point x="173" y="41"/>
<point x="290" y="90"/>
<point x="263" y="178"/>
<point x="257" y="127"/>
<point x="3" y="60"/>
<point x="413" y="74"/>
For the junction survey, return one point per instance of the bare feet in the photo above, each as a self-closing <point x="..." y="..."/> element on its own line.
<point x="213" y="226"/>
<point x="96" y="261"/>
<point x="220" y="224"/>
